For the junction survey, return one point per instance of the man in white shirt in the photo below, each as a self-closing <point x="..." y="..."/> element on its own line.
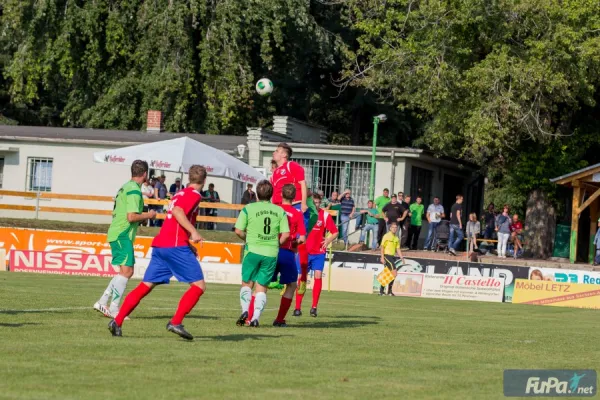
<point x="435" y="213"/>
<point x="147" y="193"/>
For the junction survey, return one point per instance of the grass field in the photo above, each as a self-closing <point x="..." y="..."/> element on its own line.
<point x="53" y="346"/>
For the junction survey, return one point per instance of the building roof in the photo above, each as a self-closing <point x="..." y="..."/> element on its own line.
<point x="575" y="175"/>
<point x="113" y="137"/>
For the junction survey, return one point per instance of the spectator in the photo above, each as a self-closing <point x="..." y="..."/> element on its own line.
<point x="416" y="211"/>
<point x="147" y="193"/>
<point x="381" y="202"/>
<point x="435" y="213"/>
<point x="160" y="193"/>
<point x="456" y="225"/>
<point x="333" y="200"/>
<point x="490" y="222"/>
<point x="211" y="196"/>
<point x="393" y="211"/>
<point x="176" y="187"/>
<point x="371" y="224"/>
<point x="516" y="228"/>
<point x="346" y="212"/>
<point x="473" y="230"/>
<point x="249" y="196"/>
<point x="402" y="230"/>
<point x="503" y="230"/>
<point x="597" y="243"/>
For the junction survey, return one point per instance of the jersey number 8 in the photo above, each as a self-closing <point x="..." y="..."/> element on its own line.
<point x="267" y="228"/>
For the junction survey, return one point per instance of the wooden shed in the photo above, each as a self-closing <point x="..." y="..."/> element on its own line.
<point x="586" y="193"/>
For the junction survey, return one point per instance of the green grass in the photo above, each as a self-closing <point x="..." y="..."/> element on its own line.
<point x="53" y="346"/>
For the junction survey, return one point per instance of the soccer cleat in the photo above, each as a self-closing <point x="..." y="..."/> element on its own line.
<point x="179" y="330"/>
<point x="297" y="313"/>
<point x="391" y="294"/>
<point x="114" y="328"/>
<point x="313" y="312"/>
<point x="280" y="324"/>
<point x="103" y="310"/>
<point x="254" y="323"/>
<point x="242" y="319"/>
<point x="302" y="287"/>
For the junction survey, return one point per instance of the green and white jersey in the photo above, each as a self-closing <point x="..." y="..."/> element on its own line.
<point x="263" y="222"/>
<point x="129" y="200"/>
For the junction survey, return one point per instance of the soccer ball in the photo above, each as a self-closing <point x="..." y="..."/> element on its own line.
<point x="264" y="87"/>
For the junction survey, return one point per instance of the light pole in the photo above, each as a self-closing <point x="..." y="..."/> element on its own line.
<point x="376" y="120"/>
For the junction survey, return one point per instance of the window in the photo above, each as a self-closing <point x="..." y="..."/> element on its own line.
<point x="1" y="171"/>
<point x="421" y="184"/>
<point x="39" y="174"/>
<point x="334" y="176"/>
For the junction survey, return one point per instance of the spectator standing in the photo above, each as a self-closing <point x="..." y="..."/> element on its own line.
<point x="249" y="196"/>
<point x="393" y="211"/>
<point x="371" y="225"/>
<point x="211" y="196"/>
<point x="176" y="187"/>
<point x="516" y="228"/>
<point x="160" y="193"/>
<point x="333" y="200"/>
<point x="381" y="202"/>
<point x="147" y="193"/>
<point x="490" y="222"/>
<point x="404" y="218"/>
<point x="503" y="230"/>
<point x="416" y="211"/>
<point x="435" y="213"/>
<point x="456" y="225"/>
<point x="597" y="243"/>
<point x="473" y="231"/>
<point x="347" y="210"/>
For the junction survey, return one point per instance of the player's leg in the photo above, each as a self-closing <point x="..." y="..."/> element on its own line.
<point x="123" y="258"/>
<point x="286" y="265"/>
<point x="301" y="286"/>
<point x="317" y="263"/>
<point x="266" y="269"/>
<point x="249" y="270"/>
<point x="185" y="267"/>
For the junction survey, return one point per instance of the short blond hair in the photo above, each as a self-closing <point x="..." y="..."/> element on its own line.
<point x="197" y="174"/>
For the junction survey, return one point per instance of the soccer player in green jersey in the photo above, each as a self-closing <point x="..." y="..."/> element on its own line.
<point x="264" y="226"/>
<point x="127" y="215"/>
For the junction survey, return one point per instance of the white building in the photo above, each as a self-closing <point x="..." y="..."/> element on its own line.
<point x="59" y="160"/>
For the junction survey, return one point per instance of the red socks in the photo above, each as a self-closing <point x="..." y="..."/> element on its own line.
<point x="187" y="302"/>
<point x="303" y="258"/>
<point x="299" y="298"/>
<point x="316" y="292"/>
<point x="284" y="307"/>
<point x="251" y="309"/>
<point x="131" y="301"/>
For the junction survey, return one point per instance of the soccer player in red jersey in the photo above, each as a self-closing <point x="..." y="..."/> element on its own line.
<point x="286" y="260"/>
<point x="290" y="172"/>
<point x="317" y="244"/>
<point x="173" y="255"/>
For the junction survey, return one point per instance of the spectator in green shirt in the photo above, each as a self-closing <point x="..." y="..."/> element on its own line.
<point x="416" y="220"/>
<point x="371" y="225"/>
<point x="381" y="202"/>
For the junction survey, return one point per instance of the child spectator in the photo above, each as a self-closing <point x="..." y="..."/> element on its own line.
<point x="473" y="230"/>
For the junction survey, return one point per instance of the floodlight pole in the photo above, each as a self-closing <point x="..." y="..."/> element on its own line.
<point x="374" y="150"/>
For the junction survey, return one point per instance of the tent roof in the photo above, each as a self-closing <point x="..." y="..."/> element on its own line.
<point x="585" y="174"/>
<point x="117" y="137"/>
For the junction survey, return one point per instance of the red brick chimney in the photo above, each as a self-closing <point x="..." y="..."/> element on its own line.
<point x="154" y="121"/>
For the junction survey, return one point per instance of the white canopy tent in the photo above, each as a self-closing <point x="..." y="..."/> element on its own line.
<point x="178" y="155"/>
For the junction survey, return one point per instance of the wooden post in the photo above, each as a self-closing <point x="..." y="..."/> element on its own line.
<point x="574" y="221"/>
<point x="594" y="207"/>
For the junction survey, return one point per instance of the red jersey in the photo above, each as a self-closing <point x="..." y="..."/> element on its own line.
<point x="325" y="223"/>
<point x="296" y="223"/>
<point x="516" y="226"/>
<point x="290" y="172"/>
<point x="172" y="234"/>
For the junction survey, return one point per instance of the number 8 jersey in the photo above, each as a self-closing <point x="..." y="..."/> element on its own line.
<point x="262" y="222"/>
<point x="172" y="234"/>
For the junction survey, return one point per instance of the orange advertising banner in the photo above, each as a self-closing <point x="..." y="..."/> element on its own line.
<point x="95" y="243"/>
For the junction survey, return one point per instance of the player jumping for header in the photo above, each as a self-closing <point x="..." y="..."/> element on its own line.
<point x="126" y="217"/>
<point x="317" y="244"/>
<point x="173" y="255"/>
<point x="264" y="227"/>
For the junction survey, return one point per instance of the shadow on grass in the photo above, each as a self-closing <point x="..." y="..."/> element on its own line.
<point x="16" y="312"/>
<point x="344" y="324"/>
<point x="168" y="317"/>
<point x="372" y="317"/>
<point x="18" y="324"/>
<point x="238" y="337"/>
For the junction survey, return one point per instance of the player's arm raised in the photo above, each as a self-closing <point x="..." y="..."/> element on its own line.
<point x="179" y="215"/>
